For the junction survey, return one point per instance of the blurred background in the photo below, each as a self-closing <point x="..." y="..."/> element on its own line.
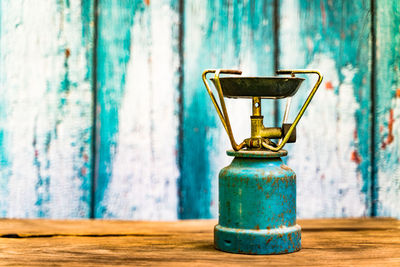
<point x="103" y="113"/>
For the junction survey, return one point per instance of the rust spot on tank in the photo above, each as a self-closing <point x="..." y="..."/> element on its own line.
<point x="257" y="227"/>
<point x="223" y="172"/>
<point x="283" y="166"/>
<point x="269" y="178"/>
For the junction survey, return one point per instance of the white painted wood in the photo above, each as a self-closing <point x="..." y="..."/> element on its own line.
<point x="47" y="123"/>
<point x="329" y="183"/>
<point x="144" y="181"/>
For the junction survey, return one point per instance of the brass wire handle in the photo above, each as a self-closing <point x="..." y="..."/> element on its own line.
<point x="224" y="114"/>
<point x="303" y="108"/>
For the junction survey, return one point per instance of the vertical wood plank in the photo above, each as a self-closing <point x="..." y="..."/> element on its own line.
<point x="388" y="107"/>
<point x="218" y="34"/>
<point x="138" y="66"/>
<point x="331" y="156"/>
<point x="45" y="108"/>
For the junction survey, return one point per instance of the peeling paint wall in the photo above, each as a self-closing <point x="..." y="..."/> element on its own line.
<point x="218" y="34"/>
<point x="137" y="110"/>
<point x="387" y="109"/>
<point x="158" y="143"/>
<point x="45" y="108"/>
<point x="332" y="154"/>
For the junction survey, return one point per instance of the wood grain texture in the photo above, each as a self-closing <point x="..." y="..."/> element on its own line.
<point x="334" y="242"/>
<point x="388" y="108"/>
<point x="218" y="34"/>
<point x="331" y="156"/>
<point x="137" y="110"/>
<point x="45" y="108"/>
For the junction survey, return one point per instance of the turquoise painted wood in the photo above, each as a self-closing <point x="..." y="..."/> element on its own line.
<point x="45" y="108"/>
<point x="137" y="111"/>
<point x="152" y="165"/>
<point x="332" y="154"/>
<point x="217" y="34"/>
<point x="387" y="130"/>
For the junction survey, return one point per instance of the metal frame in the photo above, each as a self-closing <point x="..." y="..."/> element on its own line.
<point x="265" y="142"/>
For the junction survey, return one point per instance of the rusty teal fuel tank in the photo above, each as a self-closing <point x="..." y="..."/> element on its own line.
<point x="257" y="205"/>
<point x="257" y="191"/>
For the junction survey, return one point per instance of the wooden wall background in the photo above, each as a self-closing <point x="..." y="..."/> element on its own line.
<point x="103" y="113"/>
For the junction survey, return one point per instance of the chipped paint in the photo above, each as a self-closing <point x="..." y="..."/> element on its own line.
<point x="218" y="35"/>
<point x="389" y="164"/>
<point x="331" y="154"/>
<point x="334" y="177"/>
<point x="387" y="130"/>
<point x="142" y="179"/>
<point x="45" y="125"/>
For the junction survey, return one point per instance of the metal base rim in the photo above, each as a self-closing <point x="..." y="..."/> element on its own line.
<point x="281" y="240"/>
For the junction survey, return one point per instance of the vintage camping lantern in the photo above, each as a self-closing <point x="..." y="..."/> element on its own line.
<point x="257" y="192"/>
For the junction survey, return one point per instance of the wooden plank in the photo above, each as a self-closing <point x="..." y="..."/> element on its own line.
<point x="349" y="242"/>
<point x="45" y="227"/>
<point x="218" y="34"/>
<point x="45" y="108"/>
<point x="331" y="156"/>
<point x="388" y="107"/>
<point x="138" y="66"/>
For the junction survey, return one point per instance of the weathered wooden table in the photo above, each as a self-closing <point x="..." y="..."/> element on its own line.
<point x="335" y="242"/>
